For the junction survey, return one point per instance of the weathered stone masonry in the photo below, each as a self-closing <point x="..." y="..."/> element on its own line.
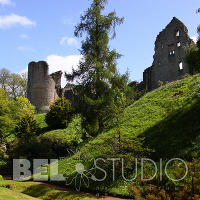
<point x="43" y="89"/>
<point x="168" y="64"/>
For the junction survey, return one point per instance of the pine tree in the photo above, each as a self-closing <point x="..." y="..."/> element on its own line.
<point x="98" y="66"/>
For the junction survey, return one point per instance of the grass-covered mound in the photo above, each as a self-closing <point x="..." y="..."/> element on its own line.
<point x="167" y="119"/>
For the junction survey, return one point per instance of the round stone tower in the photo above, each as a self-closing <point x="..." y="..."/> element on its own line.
<point x="41" y="90"/>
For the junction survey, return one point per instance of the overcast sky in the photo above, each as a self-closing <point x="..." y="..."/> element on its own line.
<point x="33" y="30"/>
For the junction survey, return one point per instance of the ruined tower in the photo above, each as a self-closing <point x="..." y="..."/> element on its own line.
<point x="43" y="88"/>
<point x="168" y="64"/>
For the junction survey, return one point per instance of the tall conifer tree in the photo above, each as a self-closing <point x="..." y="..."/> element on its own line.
<point x="98" y="67"/>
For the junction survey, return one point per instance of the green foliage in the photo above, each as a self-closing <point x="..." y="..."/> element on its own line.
<point x="24" y="106"/>
<point x="27" y="127"/>
<point x="165" y="120"/>
<point x="193" y="58"/>
<point x="7" y="122"/>
<point x="60" y="114"/>
<point x="14" y="84"/>
<point x="1" y="178"/>
<point x="41" y="120"/>
<point x="12" y="112"/>
<point x="51" y="144"/>
<point x="96" y="71"/>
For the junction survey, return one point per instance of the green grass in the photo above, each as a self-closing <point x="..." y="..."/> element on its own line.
<point x="7" y="194"/>
<point x="11" y="190"/>
<point x="168" y="119"/>
<point x="72" y="134"/>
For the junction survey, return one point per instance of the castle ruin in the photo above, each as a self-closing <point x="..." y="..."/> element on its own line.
<point x="43" y="89"/>
<point x="168" y="65"/>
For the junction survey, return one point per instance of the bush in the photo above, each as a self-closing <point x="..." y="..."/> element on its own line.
<point x="41" y="120"/>
<point x="24" y="106"/>
<point x="60" y="114"/>
<point x="52" y="144"/>
<point x="193" y="58"/>
<point x="26" y="127"/>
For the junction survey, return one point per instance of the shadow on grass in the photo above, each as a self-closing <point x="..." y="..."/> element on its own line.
<point x="49" y="193"/>
<point x="175" y="135"/>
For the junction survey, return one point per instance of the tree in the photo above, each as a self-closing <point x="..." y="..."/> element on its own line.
<point x="98" y="66"/>
<point x="60" y="114"/>
<point x="4" y="78"/>
<point x="23" y="106"/>
<point x="26" y="127"/>
<point x="7" y="122"/>
<point x="16" y="85"/>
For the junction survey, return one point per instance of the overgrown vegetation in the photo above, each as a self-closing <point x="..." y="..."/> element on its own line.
<point x="60" y="114"/>
<point x="168" y="121"/>
<point x="193" y="57"/>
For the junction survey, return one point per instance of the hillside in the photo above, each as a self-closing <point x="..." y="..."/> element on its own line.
<point x="167" y="119"/>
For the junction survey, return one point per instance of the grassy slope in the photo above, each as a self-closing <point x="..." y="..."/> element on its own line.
<point x="72" y="134"/>
<point x="168" y="118"/>
<point x="11" y="190"/>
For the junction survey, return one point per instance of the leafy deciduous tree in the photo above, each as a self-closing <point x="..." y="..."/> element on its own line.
<point x="14" y="84"/>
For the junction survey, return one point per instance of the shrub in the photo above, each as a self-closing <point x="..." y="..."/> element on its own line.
<point x="24" y="106"/>
<point x="60" y="114"/>
<point x="7" y="122"/>
<point x="193" y="58"/>
<point x="52" y="144"/>
<point x="26" y="127"/>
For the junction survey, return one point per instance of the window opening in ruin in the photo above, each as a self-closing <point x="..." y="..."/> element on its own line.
<point x="178" y="44"/>
<point x="171" y="49"/>
<point x="162" y="46"/>
<point x="172" y="52"/>
<point x="177" y="33"/>
<point x="159" y="63"/>
<point x="180" y="66"/>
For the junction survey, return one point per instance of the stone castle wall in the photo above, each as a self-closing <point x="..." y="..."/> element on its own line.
<point x="168" y="64"/>
<point x="41" y="86"/>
